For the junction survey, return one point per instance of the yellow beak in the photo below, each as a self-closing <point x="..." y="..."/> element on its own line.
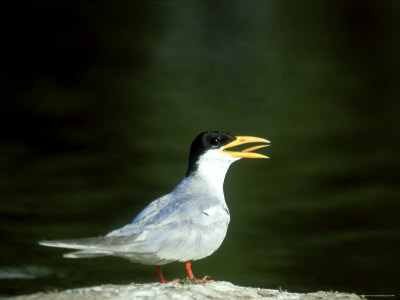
<point x="246" y="153"/>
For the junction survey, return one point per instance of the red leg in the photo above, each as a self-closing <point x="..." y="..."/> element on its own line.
<point x="158" y="268"/>
<point x="160" y="275"/>
<point x="191" y="276"/>
<point x="189" y="269"/>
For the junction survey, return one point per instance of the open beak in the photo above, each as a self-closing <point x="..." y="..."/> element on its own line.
<point x="246" y="153"/>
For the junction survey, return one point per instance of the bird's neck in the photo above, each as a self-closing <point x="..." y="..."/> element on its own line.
<point x="209" y="176"/>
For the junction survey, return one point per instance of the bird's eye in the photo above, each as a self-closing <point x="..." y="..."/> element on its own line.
<point x="215" y="142"/>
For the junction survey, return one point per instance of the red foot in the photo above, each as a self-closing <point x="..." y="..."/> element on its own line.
<point x="191" y="276"/>
<point x="189" y="271"/>
<point x="202" y="280"/>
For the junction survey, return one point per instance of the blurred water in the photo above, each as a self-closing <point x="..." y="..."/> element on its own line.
<point x="104" y="100"/>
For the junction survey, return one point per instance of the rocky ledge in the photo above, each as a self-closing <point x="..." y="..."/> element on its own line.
<point x="215" y="290"/>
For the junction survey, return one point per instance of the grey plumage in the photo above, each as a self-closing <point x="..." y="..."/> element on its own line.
<point x="190" y="223"/>
<point x="187" y="224"/>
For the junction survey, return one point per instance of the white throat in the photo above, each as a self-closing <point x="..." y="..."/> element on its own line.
<point x="211" y="169"/>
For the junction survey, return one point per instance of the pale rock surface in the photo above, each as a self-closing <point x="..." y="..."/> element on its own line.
<point x="216" y="290"/>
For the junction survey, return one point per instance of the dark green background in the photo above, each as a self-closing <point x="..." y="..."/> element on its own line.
<point x="101" y="100"/>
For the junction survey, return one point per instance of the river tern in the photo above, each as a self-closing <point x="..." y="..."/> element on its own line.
<point x="188" y="224"/>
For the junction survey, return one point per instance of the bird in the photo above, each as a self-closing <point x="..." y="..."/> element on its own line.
<point x="188" y="224"/>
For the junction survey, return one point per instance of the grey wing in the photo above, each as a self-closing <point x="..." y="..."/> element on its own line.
<point x="166" y="210"/>
<point x="170" y="220"/>
<point x="118" y="240"/>
<point x="144" y="220"/>
<point x="189" y="229"/>
<point x="167" y="230"/>
<point x="154" y="208"/>
<point x="96" y="243"/>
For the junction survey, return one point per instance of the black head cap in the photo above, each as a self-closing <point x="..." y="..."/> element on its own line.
<point x="204" y="142"/>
